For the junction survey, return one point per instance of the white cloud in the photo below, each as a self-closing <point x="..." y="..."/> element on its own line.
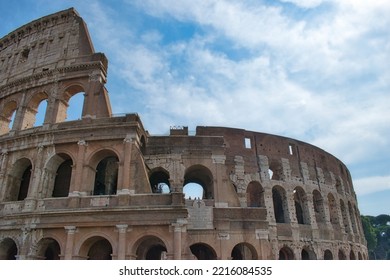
<point x="373" y="184"/>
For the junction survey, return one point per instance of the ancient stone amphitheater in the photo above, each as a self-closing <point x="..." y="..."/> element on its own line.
<point x="101" y="187"/>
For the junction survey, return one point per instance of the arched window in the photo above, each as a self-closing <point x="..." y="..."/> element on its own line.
<point x="7" y="117"/>
<point x="301" y="207"/>
<point x="159" y="181"/>
<point x="280" y="205"/>
<point x="203" y="251"/>
<point x="308" y="254"/>
<point x="276" y="170"/>
<point x="8" y="249"/>
<point x="333" y="213"/>
<point x="41" y="113"/>
<point x="199" y="175"/>
<point x="255" y="195"/>
<point x="328" y="255"/>
<point x="243" y="251"/>
<point x="341" y="255"/>
<point x="62" y="179"/>
<point x="151" y="248"/>
<point x="48" y="249"/>
<point x="19" y="180"/>
<point x="286" y="253"/>
<point x="106" y="176"/>
<point x="318" y="204"/>
<point x="35" y="112"/>
<point x="75" y="107"/>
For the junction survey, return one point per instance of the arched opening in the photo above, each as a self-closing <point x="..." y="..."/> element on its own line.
<point x="7" y="117"/>
<point x="276" y="170"/>
<point x="203" y="251"/>
<point x="75" y="107"/>
<point x="360" y="257"/>
<point x="255" y="195"/>
<point x="243" y="251"/>
<point x="101" y="249"/>
<point x="328" y="255"/>
<point x="41" y="113"/>
<point x="62" y="180"/>
<point x="199" y="175"/>
<point x="301" y="207"/>
<point x="71" y="106"/>
<point x="352" y="255"/>
<point x="151" y="248"/>
<point x="159" y="181"/>
<point x="341" y="255"/>
<point x="19" y="180"/>
<point x="286" y="253"/>
<point x="8" y="249"/>
<point x="280" y="204"/>
<point x="48" y="249"/>
<point x="339" y="186"/>
<point x="333" y="215"/>
<point x="308" y="254"/>
<point x="318" y="204"/>
<point x="106" y="176"/>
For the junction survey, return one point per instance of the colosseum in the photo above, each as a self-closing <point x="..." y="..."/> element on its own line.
<point x="102" y="187"/>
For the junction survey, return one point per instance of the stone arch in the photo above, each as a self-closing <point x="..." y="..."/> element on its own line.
<point x="307" y="253"/>
<point x="8" y="249"/>
<point x="301" y="206"/>
<point x="244" y="251"/>
<point x="48" y="249"/>
<point x="203" y="251"/>
<point x="64" y="106"/>
<point x="339" y="186"/>
<point x="7" y="116"/>
<point x="318" y="203"/>
<point x="19" y="180"/>
<point x="159" y="180"/>
<point x="285" y="253"/>
<point x="360" y="257"/>
<point x="201" y="175"/>
<point x="150" y="247"/>
<point x="96" y="248"/>
<point x="105" y="163"/>
<point x="333" y="210"/>
<point x="255" y="195"/>
<point x="58" y="175"/>
<point x="328" y="255"/>
<point x="276" y="170"/>
<point x="352" y="255"/>
<point x="279" y="199"/>
<point x="341" y="255"/>
<point x="34" y="108"/>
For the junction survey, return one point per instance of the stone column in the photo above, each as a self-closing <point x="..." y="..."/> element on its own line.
<point x="3" y="174"/>
<point x="76" y="187"/>
<point x="127" y="143"/>
<point x="70" y="230"/>
<point x="177" y="237"/>
<point x="122" y="229"/>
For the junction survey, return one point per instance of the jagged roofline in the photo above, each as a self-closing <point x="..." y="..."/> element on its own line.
<point x="20" y="31"/>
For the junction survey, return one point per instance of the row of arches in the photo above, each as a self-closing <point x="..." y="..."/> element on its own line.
<point x="338" y="213"/>
<point x="100" y="248"/>
<point x="18" y="115"/>
<point x="57" y="177"/>
<point x="306" y="253"/>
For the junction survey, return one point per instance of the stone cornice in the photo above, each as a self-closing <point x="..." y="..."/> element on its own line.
<point x="37" y="26"/>
<point x="96" y="65"/>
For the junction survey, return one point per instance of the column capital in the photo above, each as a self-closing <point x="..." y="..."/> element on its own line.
<point x="122" y="228"/>
<point x="70" y="229"/>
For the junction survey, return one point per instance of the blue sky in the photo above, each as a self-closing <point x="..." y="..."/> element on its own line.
<point x="313" y="70"/>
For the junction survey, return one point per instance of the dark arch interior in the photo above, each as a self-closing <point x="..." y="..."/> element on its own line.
<point x="100" y="250"/>
<point x="202" y="252"/>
